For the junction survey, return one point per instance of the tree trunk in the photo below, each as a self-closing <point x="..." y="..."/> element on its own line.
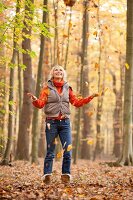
<point x="68" y="39"/>
<point x="22" y="152"/>
<point x="56" y="45"/>
<point x="99" y="138"/>
<point x="20" y="86"/>
<point x="2" y="100"/>
<point x="77" y="137"/>
<point x="127" y="153"/>
<point x="41" y="148"/>
<point x="117" y="118"/>
<point x="63" y="41"/>
<point x="85" y="151"/>
<point x="6" y="156"/>
<point x="35" y="122"/>
<point x="77" y="117"/>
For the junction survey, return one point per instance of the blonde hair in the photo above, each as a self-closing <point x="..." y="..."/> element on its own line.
<point x="52" y="72"/>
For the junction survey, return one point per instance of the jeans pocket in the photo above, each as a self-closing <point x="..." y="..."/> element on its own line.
<point x="49" y="124"/>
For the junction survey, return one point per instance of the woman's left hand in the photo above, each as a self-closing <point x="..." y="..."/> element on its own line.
<point x="95" y="95"/>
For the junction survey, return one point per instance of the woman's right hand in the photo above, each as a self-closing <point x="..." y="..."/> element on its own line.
<point x="32" y="96"/>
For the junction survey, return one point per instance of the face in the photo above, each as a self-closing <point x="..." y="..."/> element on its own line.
<point x="58" y="73"/>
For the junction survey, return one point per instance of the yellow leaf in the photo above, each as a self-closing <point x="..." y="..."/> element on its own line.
<point x="127" y="65"/>
<point x="95" y="33"/>
<point x="87" y="84"/>
<point x="84" y="139"/>
<point x="55" y="142"/>
<point x="105" y="90"/>
<point x="80" y="96"/>
<point x="100" y="93"/>
<point x="65" y="36"/>
<point x="90" y="142"/>
<point x="90" y="113"/>
<point x="92" y="86"/>
<point x="69" y="148"/>
<point x="96" y="66"/>
<point x="59" y="155"/>
<point x="70" y="24"/>
<point x="68" y="190"/>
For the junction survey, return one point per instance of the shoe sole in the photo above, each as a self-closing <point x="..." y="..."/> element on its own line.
<point x="47" y="180"/>
<point x="65" y="178"/>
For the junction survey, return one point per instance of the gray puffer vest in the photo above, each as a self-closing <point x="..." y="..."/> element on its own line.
<point x="57" y="103"/>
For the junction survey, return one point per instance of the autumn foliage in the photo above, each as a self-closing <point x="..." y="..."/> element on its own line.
<point x="69" y="2"/>
<point x="90" y="181"/>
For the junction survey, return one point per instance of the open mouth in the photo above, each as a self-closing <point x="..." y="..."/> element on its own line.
<point x="58" y="74"/>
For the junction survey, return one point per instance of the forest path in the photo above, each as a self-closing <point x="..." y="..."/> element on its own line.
<point x="91" y="181"/>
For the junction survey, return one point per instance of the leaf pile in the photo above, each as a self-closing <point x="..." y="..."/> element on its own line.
<point x="90" y="180"/>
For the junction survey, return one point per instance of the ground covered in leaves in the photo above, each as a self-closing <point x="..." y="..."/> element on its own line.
<point x="91" y="181"/>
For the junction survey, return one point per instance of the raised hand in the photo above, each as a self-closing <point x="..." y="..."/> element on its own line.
<point x="32" y="96"/>
<point x="95" y="95"/>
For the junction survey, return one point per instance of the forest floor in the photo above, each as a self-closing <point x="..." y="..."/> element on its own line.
<point x="91" y="181"/>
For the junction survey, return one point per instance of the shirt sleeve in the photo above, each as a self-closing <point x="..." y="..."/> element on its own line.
<point x="78" y="102"/>
<point x="42" y="100"/>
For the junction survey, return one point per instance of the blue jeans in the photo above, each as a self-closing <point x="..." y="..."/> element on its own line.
<point x="53" y="129"/>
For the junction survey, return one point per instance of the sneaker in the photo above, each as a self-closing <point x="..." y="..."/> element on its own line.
<point x="65" y="178"/>
<point x="46" y="178"/>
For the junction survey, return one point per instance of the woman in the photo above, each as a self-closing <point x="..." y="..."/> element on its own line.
<point x="55" y="98"/>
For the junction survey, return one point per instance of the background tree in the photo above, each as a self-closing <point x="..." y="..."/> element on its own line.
<point x="35" y="121"/>
<point x="6" y="156"/>
<point x="127" y="153"/>
<point x="101" y="86"/>
<point x="22" y="151"/>
<point x="85" y="153"/>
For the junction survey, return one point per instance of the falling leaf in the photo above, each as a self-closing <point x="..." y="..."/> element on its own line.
<point x="55" y="141"/>
<point x="96" y="66"/>
<point x="48" y="125"/>
<point x="90" y="113"/>
<point x="87" y="84"/>
<point x="105" y="90"/>
<point x="79" y="96"/>
<point x="95" y="33"/>
<point x="90" y="142"/>
<point x="102" y="92"/>
<point x="69" y="148"/>
<point x="84" y="139"/>
<point x="59" y="154"/>
<point x="70" y="24"/>
<point x="127" y="65"/>
<point x="92" y="86"/>
<point x="65" y="36"/>
<point x="64" y="145"/>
